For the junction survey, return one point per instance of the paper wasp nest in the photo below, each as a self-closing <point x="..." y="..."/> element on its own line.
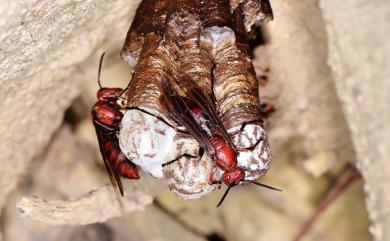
<point x="207" y="40"/>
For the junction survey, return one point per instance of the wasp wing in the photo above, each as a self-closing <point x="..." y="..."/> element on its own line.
<point x="111" y="171"/>
<point x="179" y="109"/>
<point x="207" y="105"/>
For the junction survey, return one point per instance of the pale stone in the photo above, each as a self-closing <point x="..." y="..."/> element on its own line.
<point x="359" y="56"/>
<point x="47" y="51"/>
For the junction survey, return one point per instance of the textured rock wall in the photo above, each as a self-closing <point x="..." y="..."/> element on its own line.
<point x="49" y="48"/>
<point x="45" y="49"/>
<point x="359" y="55"/>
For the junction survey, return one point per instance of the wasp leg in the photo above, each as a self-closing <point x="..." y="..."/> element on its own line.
<point x="183" y="132"/>
<point x="177" y="158"/>
<point x="238" y="132"/>
<point x="250" y="148"/>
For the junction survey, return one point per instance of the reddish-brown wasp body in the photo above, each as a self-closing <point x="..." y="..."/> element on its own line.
<point x="106" y="117"/>
<point x="225" y="155"/>
<point x="198" y="114"/>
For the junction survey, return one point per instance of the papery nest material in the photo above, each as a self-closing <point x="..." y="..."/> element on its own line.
<point x="208" y="42"/>
<point x="180" y="37"/>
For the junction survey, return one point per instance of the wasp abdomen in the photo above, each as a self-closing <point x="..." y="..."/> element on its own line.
<point x="119" y="160"/>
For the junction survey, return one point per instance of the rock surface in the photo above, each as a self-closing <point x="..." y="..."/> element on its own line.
<point x="70" y="166"/>
<point x="82" y="198"/>
<point x="46" y="49"/>
<point x="359" y="55"/>
<point x="49" y="49"/>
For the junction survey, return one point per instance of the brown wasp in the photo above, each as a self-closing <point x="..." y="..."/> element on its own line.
<point x="106" y="117"/>
<point x="197" y="113"/>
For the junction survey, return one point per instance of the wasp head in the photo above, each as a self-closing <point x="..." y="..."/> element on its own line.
<point x="233" y="176"/>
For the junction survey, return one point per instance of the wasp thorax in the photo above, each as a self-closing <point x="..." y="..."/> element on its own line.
<point x="225" y="155"/>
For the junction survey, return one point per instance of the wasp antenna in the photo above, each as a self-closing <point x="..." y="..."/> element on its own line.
<point x="127" y="87"/>
<point x="266" y="186"/>
<point x="100" y="69"/>
<point x="224" y="196"/>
